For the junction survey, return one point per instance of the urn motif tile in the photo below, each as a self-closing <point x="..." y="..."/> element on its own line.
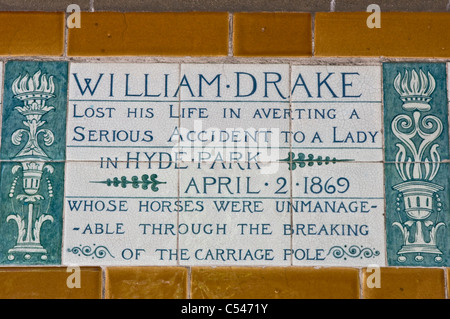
<point x="417" y="178"/>
<point x="33" y="154"/>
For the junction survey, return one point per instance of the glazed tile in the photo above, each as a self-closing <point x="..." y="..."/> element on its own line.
<point x="25" y="81"/>
<point x="338" y="214"/>
<point x="272" y="34"/>
<point x="336" y="112"/>
<point x="237" y="214"/>
<point x="413" y="241"/>
<point x="416" y="139"/>
<point x="146" y="283"/>
<point x="234" y="112"/>
<point x="39" y="242"/>
<point x="122" y="112"/>
<point x="33" y="153"/>
<point x="406" y="283"/>
<point x="31" y="33"/>
<point x="120" y="216"/>
<point x="150" y="34"/>
<point x="49" y="283"/>
<point x="428" y="99"/>
<point x="346" y="34"/>
<point x="274" y="283"/>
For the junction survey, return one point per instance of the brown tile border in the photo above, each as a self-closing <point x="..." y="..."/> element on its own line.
<point x="49" y="283"/>
<point x="274" y="283"/>
<point x="176" y="282"/>
<point x="32" y="33"/>
<point x="342" y="34"/>
<point x="406" y="283"/>
<point x="272" y="34"/>
<point x="146" y="282"/>
<point x="150" y="34"/>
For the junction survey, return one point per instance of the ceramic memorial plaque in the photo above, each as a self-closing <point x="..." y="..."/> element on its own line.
<point x="211" y="164"/>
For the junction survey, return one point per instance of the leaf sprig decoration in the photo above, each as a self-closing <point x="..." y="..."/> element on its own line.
<point x="144" y="182"/>
<point x="301" y="160"/>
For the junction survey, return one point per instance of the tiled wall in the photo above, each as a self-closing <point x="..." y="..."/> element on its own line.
<point x="286" y="39"/>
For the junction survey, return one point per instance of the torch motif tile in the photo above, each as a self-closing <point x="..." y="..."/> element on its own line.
<point x="416" y="139"/>
<point x="34" y="112"/>
<point x="32" y="174"/>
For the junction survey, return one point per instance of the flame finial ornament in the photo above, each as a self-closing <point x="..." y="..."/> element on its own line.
<point x="415" y="89"/>
<point x="33" y="92"/>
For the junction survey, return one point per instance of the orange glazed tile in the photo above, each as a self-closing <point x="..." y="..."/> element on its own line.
<point x="418" y="34"/>
<point x="448" y="283"/>
<point x="274" y="283"/>
<point x="406" y="283"/>
<point x="146" y="283"/>
<point x="146" y="33"/>
<point x="49" y="283"/>
<point x="31" y="33"/>
<point x="272" y="34"/>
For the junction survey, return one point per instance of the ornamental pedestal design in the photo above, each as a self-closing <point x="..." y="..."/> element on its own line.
<point x="417" y="163"/>
<point x="30" y="203"/>
<point x="419" y="232"/>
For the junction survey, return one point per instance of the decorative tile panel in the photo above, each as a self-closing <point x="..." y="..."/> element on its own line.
<point x="417" y="179"/>
<point x="33" y="154"/>
<point x="224" y="164"/>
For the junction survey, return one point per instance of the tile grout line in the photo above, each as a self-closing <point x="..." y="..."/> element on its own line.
<point x="64" y="164"/>
<point x="2" y="83"/>
<point x="361" y="295"/>
<point x="333" y="6"/>
<point x="383" y="155"/>
<point x="66" y="36"/>
<point x="179" y="171"/>
<point x="103" y="282"/>
<point x="290" y="171"/>
<point x="446" y="287"/>
<point x="306" y="61"/>
<point x="313" y="36"/>
<point x="230" y="34"/>
<point x="447" y="66"/>
<point x="189" y="282"/>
